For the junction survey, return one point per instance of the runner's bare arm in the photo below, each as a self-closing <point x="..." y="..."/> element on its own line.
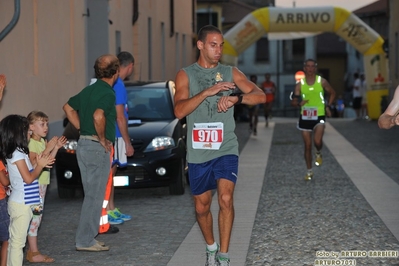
<point x="329" y="89"/>
<point x="296" y="95"/>
<point x="184" y="105"/>
<point x="252" y="94"/>
<point x="390" y="117"/>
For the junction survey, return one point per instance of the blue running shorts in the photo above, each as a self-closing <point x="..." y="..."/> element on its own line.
<point x="203" y="176"/>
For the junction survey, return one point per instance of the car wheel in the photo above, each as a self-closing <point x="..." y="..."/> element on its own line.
<point x="177" y="188"/>
<point x="66" y="193"/>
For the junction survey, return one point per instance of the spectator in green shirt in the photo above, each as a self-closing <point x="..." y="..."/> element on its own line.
<point x="92" y="112"/>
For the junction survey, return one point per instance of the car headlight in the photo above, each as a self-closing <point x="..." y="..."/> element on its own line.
<point x="160" y="143"/>
<point x="71" y="145"/>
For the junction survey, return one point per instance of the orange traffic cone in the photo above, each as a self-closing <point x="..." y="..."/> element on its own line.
<point x="104" y="224"/>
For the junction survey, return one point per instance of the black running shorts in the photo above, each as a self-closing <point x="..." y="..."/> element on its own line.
<point x="309" y="125"/>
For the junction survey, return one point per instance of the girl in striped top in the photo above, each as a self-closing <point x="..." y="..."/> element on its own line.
<point x="24" y="198"/>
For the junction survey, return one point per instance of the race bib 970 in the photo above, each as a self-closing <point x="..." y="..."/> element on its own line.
<point x="207" y="136"/>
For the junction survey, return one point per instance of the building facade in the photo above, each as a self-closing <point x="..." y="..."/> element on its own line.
<point x="282" y="53"/>
<point x="49" y="54"/>
<point x="280" y="58"/>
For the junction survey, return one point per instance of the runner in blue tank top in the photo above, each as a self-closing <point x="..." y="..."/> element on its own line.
<point x="204" y="95"/>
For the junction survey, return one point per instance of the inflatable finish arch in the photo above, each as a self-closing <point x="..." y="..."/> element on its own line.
<point x="317" y="19"/>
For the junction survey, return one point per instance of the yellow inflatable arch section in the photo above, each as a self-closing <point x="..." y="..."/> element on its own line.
<point x="317" y="19"/>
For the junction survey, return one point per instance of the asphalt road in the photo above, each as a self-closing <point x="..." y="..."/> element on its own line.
<point x="159" y="225"/>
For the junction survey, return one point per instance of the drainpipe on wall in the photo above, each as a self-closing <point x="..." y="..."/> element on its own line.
<point x="135" y="11"/>
<point x="14" y="20"/>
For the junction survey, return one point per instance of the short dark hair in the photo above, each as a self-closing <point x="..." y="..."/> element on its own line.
<point x="106" y="66"/>
<point x="356" y="75"/>
<point x="205" y="30"/>
<point x="253" y="77"/>
<point x="310" y="60"/>
<point x="125" y="58"/>
<point x="13" y="135"/>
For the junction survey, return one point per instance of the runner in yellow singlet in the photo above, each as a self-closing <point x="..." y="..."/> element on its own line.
<point x="309" y="95"/>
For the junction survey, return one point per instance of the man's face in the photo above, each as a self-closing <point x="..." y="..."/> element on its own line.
<point x="212" y="49"/>
<point x="310" y="67"/>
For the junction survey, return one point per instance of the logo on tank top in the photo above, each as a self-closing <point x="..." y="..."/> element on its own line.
<point x="218" y="77"/>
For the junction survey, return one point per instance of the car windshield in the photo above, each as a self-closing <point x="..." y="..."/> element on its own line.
<point x="149" y="104"/>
